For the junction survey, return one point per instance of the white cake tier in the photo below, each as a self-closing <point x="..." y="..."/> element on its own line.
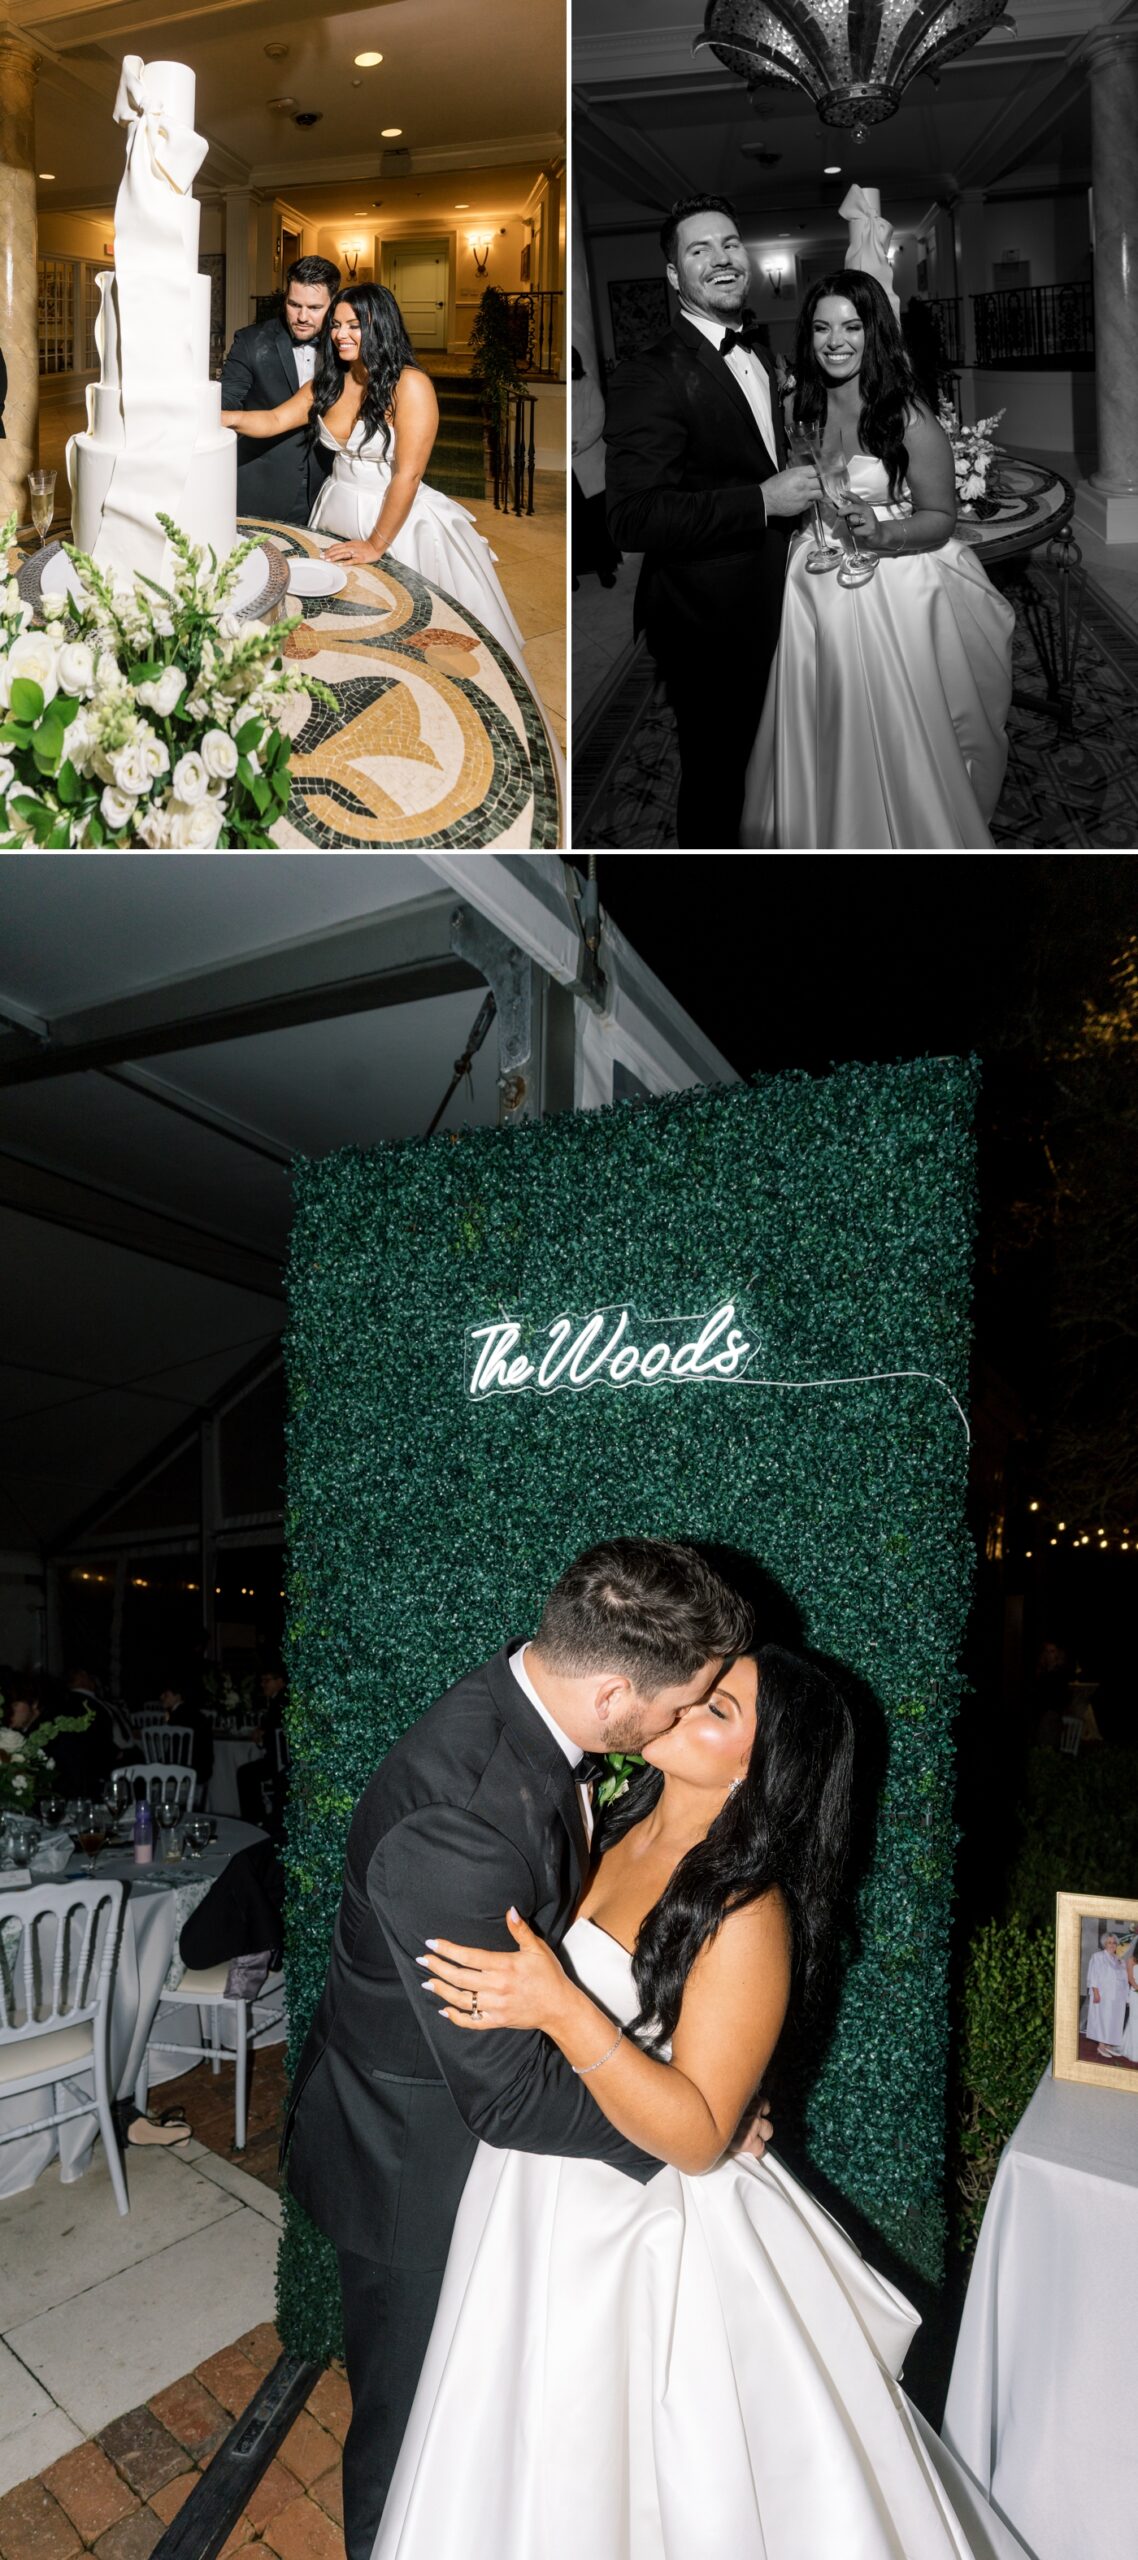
<point x="107" y="336"/>
<point x="208" y="508"/>
<point x="105" y="417"/>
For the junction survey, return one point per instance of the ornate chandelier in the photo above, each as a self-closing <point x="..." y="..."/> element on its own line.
<point x="855" y="58"/>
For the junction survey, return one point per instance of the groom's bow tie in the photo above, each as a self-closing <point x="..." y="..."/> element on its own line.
<point x="731" y="338"/>
<point x="593" y="1766"/>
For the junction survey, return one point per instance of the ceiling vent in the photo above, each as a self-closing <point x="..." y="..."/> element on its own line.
<point x="307" y="116"/>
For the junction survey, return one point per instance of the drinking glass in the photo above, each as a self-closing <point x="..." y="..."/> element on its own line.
<point x="858" y="567"/>
<point x="119" y="1792"/>
<point x="823" y="554"/>
<point x="52" y="1810"/>
<point x="198" y="1834"/>
<point x="92" y="1823"/>
<point x="42" y="487"/>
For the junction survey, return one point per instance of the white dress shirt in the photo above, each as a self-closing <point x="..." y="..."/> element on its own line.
<point x="572" y="1750"/>
<point x="304" y="358"/>
<point x="751" y="376"/>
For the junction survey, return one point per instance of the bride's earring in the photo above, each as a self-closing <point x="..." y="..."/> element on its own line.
<point x="735" y="1782"/>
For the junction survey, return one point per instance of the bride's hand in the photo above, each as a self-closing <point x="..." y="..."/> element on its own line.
<point x="869" y="528"/>
<point x="480" y="1990"/>
<point x="356" y="554"/>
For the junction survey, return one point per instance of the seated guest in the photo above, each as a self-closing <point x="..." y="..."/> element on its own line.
<point x="25" y="1695"/>
<point x="263" y="1784"/>
<point x="84" y="1761"/>
<point x="176" y="1703"/>
<point x="266" y="365"/>
<point x="241" y="1915"/>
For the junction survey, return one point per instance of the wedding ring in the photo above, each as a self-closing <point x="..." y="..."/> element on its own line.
<point x="475" y="2011"/>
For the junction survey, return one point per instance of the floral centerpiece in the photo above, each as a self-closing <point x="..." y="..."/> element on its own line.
<point x="145" y="715"/>
<point x="26" y="1764"/>
<point x="973" y="451"/>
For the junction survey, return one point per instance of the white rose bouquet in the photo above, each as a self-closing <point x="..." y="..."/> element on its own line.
<point x="973" y="451"/>
<point x="138" y="715"/>
<point x="26" y="1764"/>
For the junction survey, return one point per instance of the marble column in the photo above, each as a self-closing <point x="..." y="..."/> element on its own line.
<point x="19" y="332"/>
<point x="1109" y="505"/>
<point x="970" y="254"/>
<point x="238" y="261"/>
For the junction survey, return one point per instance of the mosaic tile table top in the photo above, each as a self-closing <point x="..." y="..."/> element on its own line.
<point x="439" y="740"/>
<point x="1025" y="505"/>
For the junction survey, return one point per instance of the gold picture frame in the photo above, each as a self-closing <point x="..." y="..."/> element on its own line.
<point x="1081" y="1919"/>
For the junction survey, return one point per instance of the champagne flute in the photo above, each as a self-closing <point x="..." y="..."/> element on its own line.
<point x="858" y="568"/>
<point x="823" y="554"/>
<point x="42" y="487"/>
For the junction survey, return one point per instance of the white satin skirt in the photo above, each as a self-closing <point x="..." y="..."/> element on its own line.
<point x="699" y="2369"/>
<point x="439" y="540"/>
<point x="885" y="716"/>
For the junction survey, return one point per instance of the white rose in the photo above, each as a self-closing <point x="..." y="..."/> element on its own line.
<point x="117" y="807"/>
<point x="7" y="774"/>
<point x="206" y="822"/>
<point x="163" y="695"/>
<point x="190" y="779"/>
<point x="219" y="755"/>
<point x="152" y="826"/>
<point x="20" y="1782"/>
<point x="108" y="673"/>
<point x="10" y="1743"/>
<point x="154" y="750"/>
<point x="34" y="655"/>
<point x="77" y="667"/>
<point x="53" y="607"/>
<point x="130" y="770"/>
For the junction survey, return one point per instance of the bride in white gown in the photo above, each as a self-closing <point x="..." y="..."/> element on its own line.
<point x="376" y="409"/>
<point x="703" y="2366"/>
<point x="885" y="715"/>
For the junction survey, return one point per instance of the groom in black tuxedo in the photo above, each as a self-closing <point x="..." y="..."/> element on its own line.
<point x="697" y="481"/>
<point x="281" y="476"/>
<point x="479" y="1806"/>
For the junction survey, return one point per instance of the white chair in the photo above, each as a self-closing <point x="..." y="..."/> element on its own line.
<point x="148" y="1777"/>
<point x="58" y="1950"/>
<point x="165" y="1742"/>
<point x="207" y="1993"/>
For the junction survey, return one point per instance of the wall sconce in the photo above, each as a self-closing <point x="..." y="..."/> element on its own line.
<point x="349" y="260"/>
<point x="776" y="277"/>
<point x="480" y="248"/>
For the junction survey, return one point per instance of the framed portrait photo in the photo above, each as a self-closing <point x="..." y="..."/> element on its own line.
<point x="1096" y="1991"/>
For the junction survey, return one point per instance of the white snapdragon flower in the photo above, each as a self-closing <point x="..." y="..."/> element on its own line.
<point x="191" y="779"/>
<point x="53" y="608"/>
<point x="163" y="693"/>
<point x="109" y="676"/>
<point x="229" y="626"/>
<point x="130" y="770"/>
<point x="77" y="667"/>
<point x="162" y="620"/>
<point x="219" y="755"/>
<point x="117" y="807"/>
<point x="35" y="656"/>
<point x="290" y="711"/>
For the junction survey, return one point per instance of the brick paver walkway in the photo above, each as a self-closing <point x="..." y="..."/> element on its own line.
<point x="116" y="2495"/>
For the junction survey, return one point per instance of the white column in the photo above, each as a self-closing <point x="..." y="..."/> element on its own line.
<point x="19" y="330"/>
<point x="238" y="261"/>
<point x="970" y="242"/>
<point x="1109" y="505"/>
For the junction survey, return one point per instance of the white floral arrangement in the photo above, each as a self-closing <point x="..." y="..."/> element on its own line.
<point x="145" y="715"/>
<point x="973" y="450"/>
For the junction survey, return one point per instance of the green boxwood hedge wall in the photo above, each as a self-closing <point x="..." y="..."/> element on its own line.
<point x="425" y="1528"/>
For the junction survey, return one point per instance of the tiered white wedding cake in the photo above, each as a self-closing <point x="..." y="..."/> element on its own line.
<point x="154" y="439"/>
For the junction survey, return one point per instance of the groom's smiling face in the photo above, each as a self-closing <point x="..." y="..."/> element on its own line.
<point x="710" y="271"/>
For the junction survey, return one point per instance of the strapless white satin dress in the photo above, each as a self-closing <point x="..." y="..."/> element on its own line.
<point x="439" y="539"/>
<point x="885" y="716"/>
<point x="698" y="2369"/>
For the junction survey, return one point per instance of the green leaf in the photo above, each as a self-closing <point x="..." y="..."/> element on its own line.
<point x="249" y="736"/>
<point x="261" y="794"/>
<point x="280" y="783"/>
<point x="68" y="785"/>
<point x="47" y="744"/>
<point x="95" y="828"/>
<point x="15" y="734"/>
<point x="146" y="670"/>
<point x="26" y="698"/>
<point x="40" y="818"/>
<point x="66" y="708"/>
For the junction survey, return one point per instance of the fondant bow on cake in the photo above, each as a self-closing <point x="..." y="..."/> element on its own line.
<point x="871" y="238"/>
<point x="176" y="151"/>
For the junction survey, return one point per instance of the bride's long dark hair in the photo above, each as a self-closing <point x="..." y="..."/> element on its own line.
<point x="786" y="1825"/>
<point x="385" y="351"/>
<point x="886" y="381"/>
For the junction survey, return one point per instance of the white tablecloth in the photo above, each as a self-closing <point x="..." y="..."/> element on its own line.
<point x="158" y="1901"/>
<point x="1041" y="2407"/>
<point x="231" y="1752"/>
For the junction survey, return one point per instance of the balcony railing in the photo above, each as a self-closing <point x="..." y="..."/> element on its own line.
<point x="948" y="320"/>
<point x="541" y="331"/>
<point x="1043" y="327"/>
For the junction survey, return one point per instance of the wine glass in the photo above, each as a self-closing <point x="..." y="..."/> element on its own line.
<point x="823" y="554"/>
<point x="41" y="485"/>
<point x="52" y="1810"/>
<point x="92" y="1823"/>
<point x="169" y="1814"/>
<point x="857" y="568"/>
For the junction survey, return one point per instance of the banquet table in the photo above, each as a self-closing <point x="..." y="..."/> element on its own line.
<point x="1041" y="2401"/>
<point x="157" y="1902"/>
<point x="1027" y="509"/>
<point x="438" y="740"/>
<point x="231" y="1752"/>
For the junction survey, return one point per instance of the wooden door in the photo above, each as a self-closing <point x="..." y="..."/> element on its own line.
<point x="419" y="284"/>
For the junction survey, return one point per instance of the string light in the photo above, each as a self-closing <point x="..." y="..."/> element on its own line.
<point x="1033" y="1506"/>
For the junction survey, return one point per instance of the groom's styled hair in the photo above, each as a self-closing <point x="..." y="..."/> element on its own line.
<point x="679" y="213"/>
<point x="645" y="1607"/>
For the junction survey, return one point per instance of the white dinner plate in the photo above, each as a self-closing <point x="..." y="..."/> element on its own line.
<point x="315" y="578"/>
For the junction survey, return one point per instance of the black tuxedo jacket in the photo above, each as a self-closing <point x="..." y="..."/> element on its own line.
<point x="472" y="1810"/>
<point x="279" y="476"/>
<point x="686" y="466"/>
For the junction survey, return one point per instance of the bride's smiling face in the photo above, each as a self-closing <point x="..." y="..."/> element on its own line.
<point x="839" y="338"/>
<point x="346" y="333"/>
<point x="711" y="1744"/>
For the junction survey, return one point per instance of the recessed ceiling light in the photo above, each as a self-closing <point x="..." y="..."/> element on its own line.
<point x="387" y="132"/>
<point x="833" y="169"/>
<point x="462" y="208"/>
<point x="47" y="173"/>
<point x="367" y="61"/>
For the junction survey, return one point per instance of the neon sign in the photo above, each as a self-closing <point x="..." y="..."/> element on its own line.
<point x="612" y="1347"/>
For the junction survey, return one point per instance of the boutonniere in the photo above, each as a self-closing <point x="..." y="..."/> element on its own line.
<point x="619" y="1766"/>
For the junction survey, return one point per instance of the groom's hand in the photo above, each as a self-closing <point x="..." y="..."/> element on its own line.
<point x="755" y="2130"/>
<point x="788" y="492"/>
